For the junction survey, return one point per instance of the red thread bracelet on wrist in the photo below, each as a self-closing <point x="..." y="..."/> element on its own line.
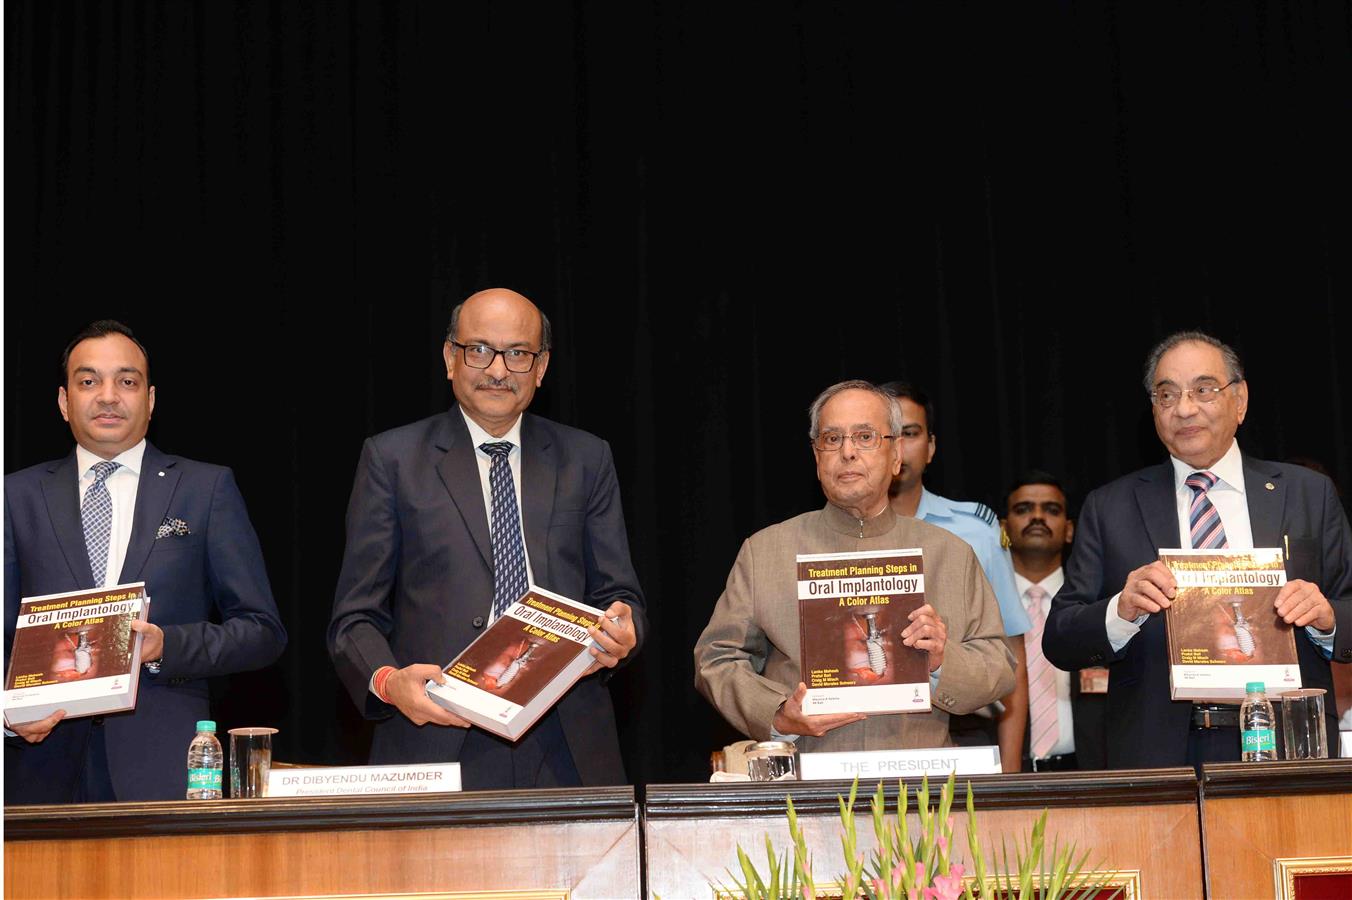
<point x="382" y="675"/>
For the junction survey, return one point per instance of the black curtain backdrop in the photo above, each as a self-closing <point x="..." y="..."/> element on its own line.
<point x="723" y="208"/>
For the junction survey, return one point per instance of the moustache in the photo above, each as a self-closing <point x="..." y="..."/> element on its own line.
<point x="1036" y="528"/>
<point x="492" y="384"/>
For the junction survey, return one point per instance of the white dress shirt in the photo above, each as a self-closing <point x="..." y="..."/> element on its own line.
<point x="1051" y="584"/>
<point x="122" y="485"/>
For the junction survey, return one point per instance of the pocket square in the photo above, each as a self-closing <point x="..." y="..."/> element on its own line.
<point x="169" y="526"/>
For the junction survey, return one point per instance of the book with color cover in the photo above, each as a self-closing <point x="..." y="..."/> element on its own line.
<point x="521" y="665"/>
<point x="1223" y="629"/>
<point x="852" y="608"/>
<point x="75" y="651"/>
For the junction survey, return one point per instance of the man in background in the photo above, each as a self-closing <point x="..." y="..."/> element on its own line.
<point x="1065" y="708"/>
<point x="1003" y="723"/>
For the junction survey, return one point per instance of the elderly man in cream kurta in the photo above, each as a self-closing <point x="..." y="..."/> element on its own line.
<point x="747" y="659"/>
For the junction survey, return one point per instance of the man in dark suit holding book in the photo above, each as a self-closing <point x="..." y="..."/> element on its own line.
<point x="449" y="520"/>
<point x="117" y="510"/>
<point x="1207" y="496"/>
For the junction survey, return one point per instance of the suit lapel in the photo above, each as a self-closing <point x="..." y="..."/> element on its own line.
<point x="1155" y="497"/>
<point x="459" y="473"/>
<point x="154" y="490"/>
<point x="61" y="491"/>
<point x="538" y="473"/>
<point x="1266" y="507"/>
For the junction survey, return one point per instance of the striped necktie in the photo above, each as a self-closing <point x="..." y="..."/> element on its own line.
<point x="1043" y="728"/>
<point x="509" y="551"/>
<point x="96" y="514"/>
<point x="1205" y="528"/>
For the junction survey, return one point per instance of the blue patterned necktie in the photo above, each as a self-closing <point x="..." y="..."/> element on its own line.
<point x="509" y="552"/>
<point x="1206" y="530"/>
<point x="96" y="513"/>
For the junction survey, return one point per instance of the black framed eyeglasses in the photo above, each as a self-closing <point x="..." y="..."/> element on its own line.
<point x="481" y="356"/>
<point x="863" y="439"/>
<point x="1167" y="398"/>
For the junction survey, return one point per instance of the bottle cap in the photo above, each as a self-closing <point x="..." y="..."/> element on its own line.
<point x="1254" y="687"/>
<point x="208" y="725"/>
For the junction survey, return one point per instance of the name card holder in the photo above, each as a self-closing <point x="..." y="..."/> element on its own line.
<point x="939" y="761"/>
<point x="363" y="781"/>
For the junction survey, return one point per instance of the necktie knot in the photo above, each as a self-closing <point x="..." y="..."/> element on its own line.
<point x="103" y="469"/>
<point x="1205" y="529"/>
<point x="1036" y="595"/>
<point x="497" y="449"/>
<point x="1201" y="482"/>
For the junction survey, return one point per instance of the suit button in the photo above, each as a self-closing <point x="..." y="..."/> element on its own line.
<point x="478" y="622"/>
<point x="1096" y="658"/>
<point x="1347" y="654"/>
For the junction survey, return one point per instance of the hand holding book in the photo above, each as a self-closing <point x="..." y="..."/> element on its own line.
<point x="1301" y="603"/>
<point x="1149" y="589"/>
<point x="152" y="640"/>
<point x="36" y="732"/>
<point x="614" y="636"/>
<point x="927" y="632"/>
<point x="790" y="719"/>
<point x="406" y="690"/>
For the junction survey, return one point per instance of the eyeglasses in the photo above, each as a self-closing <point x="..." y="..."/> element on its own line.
<point x="863" y="439"/>
<point x="1167" y="398"/>
<point x="481" y="356"/>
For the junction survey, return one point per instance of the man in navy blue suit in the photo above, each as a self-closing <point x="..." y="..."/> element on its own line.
<point x="1208" y="495"/>
<point x="117" y="510"/>
<point x="449" y="519"/>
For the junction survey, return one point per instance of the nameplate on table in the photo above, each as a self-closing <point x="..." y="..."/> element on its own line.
<point x="362" y="781"/>
<point x="938" y="761"/>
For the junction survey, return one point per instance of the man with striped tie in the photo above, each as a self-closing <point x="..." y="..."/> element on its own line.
<point x="449" y="520"/>
<point x="1065" y="719"/>
<point x="1208" y="495"/>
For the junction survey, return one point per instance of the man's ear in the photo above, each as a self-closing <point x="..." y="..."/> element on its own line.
<point x="61" y="402"/>
<point x="1070" y="531"/>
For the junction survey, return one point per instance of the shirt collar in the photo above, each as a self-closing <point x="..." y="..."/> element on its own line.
<point x="129" y="459"/>
<point x="1051" y="584"/>
<point x="932" y="506"/>
<point x="1229" y="469"/>
<point x="478" y="436"/>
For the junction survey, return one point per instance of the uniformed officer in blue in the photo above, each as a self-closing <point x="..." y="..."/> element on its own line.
<point x="978" y="525"/>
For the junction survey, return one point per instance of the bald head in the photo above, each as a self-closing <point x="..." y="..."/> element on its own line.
<point x="511" y="298"/>
<point x="493" y="334"/>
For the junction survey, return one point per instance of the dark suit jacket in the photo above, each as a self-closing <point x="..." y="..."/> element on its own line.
<point x="417" y="579"/>
<point x="1121" y="528"/>
<point x="208" y="590"/>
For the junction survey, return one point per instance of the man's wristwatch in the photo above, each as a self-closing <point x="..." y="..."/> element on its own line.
<point x="153" y="667"/>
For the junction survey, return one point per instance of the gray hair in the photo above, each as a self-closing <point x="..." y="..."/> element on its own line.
<point x="814" y="412"/>
<point x="1233" y="366"/>
<point x="546" y="331"/>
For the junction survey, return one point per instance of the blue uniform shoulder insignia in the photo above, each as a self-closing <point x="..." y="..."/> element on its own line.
<point x="980" y="510"/>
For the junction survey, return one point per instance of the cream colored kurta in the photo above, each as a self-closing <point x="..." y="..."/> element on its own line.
<point x="747" y="659"/>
